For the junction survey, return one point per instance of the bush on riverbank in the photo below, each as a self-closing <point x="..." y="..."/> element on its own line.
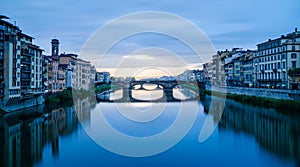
<point x="61" y="98"/>
<point x="190" y="87"/>
<point x="104" y="88"/>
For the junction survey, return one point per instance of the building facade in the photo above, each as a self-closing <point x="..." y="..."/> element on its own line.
<point x="20" y="64"/>
<point x="274" y="59"/>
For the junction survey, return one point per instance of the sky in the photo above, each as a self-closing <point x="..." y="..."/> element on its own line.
<point x="226" y="23"/>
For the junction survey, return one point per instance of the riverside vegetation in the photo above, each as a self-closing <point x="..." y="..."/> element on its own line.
<point x="288" y="106"/>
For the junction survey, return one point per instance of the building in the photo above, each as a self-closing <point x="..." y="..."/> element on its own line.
<point x="55" y="64"/>
<point x="47" y="73"/>
<point x="69" y="71"/>
<point x="20" y="65"/>
<point x="247" y="69"/>
<point x="237" y="67"/>
<point x="274" y="59"/>
<point x="230" y="61"/>
<point x="69" y="61"/>
<point x="82" y="75"/>
<point x="103" y="77"/>
<point x="31" y="66"/>
<point x="62" y="70"/>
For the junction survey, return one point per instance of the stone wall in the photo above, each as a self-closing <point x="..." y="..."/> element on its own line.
<point x="24" y="103"/>
<point x="260" y="92"/>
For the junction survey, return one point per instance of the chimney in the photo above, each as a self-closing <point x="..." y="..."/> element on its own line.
<point x="296" y="30"/>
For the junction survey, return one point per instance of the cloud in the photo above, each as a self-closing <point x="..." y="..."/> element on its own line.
<point x="226" y="22"/>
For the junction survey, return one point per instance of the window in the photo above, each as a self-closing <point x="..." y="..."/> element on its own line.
<point x="294" y="56"/>
<point x="278" y="65"/>
<point x="283" y="56"/>
<point x="283" y="64"/>
<point x="294" y="64"/>
<point x="293" y="48"/>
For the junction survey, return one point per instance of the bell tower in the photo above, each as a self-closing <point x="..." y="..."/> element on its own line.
<point x="55" y="47"/>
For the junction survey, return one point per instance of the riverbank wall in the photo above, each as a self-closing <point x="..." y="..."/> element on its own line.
<point x="21" y="103"/>
<point x="259" y="92"/>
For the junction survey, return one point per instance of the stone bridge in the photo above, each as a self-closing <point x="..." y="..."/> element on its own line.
<point x="166" y="86"/>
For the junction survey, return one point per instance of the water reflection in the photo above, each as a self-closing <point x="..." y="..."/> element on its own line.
<point x="25" y="133"/>
<point x="276" y="132"/>
<point x="147" y="95"/>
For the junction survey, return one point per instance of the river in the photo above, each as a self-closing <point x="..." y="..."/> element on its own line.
<point x="78" y="135"/>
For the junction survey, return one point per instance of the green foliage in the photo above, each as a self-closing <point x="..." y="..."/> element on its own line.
<point x="65" y="97"/>
<point x="287" y="106"/>
<point x="104" y="88"/>
<point x="193" y="88"/>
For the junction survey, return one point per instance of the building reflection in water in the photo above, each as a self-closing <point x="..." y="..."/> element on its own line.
<point x="277" y="132"/>
<point x="24" y="134"/>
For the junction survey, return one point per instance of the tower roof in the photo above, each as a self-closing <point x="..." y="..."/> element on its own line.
<point x="55" y="41"/>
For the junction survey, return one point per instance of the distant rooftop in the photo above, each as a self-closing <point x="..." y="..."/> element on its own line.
<point x="3" y="17"/>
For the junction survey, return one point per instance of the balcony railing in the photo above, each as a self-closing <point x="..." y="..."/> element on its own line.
<point x="26" y="79"/>
<point x="24" y="69"/>
<point x="269" y="80"/>
<point x="25" y="52"/>
<point x="25" y="61"/>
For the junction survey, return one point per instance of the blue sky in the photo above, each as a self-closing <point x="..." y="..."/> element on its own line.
<point x="228" y="23"/>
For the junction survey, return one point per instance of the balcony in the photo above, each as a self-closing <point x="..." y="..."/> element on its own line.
<point x="26" y="61"/>
<point x="26" y="70"/>
<point x="25" y="78"/>
<point x="269" y="80"/>
<point x="25" y="52"/>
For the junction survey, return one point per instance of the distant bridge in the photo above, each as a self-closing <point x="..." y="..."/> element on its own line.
<point x="166" y="86"/>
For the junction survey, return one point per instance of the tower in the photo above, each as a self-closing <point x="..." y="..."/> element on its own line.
<point x="55" y="47"/>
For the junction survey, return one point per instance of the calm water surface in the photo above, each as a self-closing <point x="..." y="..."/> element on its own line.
<point x="245" y="136"/>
